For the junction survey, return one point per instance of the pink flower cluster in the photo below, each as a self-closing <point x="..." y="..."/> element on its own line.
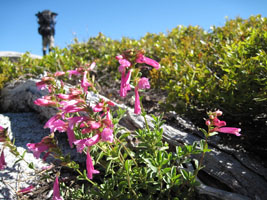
<point x="219" y="126"/>
<point x="126" y="68"/>
<point x="85" y="125"/>
<point x="46" y="145"/>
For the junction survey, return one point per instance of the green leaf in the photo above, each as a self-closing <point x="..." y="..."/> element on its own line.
<point x="31" y="165"/>
<point x="185" y="174"/>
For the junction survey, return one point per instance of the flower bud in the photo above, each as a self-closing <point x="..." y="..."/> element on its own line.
<point x="208" y="122"/>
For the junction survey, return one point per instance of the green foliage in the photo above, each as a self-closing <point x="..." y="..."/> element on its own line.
<point x="224" y="68"/>
<point x="147" y="169"/>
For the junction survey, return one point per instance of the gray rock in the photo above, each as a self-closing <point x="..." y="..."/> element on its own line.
<point x="24" y="128"/>
<point x="232" y="169"/>
<point x="15" y="56"/>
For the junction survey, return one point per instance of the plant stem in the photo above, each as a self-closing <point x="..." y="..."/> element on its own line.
<point x="144" y="115"/>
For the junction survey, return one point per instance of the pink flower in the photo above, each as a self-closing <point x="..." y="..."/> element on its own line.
<point x="108" y="120"/>
<point x="71" y="136"/>
<point x="137" y="106"/>
<point x="107" y="135"/>
<point x="125" y="83"/>
<point x="81" y="144"/>
<point x="2" y="160"/>
<point x="90" y="167"/>
<point x="92" y="66"/>
<point x="75" y="91"/>
<point x="92" y="126"/>
<point x="143" y="83"/>
<point x="230" y="130"/>
<point x="44" y="102"/>
<point x="37" y="148"/>
<point x="26" y="190"/>
<point x="99" y="107"/>
<point x="47" y="167"/>
<point x="119" y="57"/>
<point x="73" y="72"/>
<point x="124" y="63"/>
<point x="72" y="122"/>
<point x="44" y="82"/>
<point x="71" y="103"/>
<point x="102" y="105"/>
<point x="218" y="113"/>
<point x="142" y="59"/>
<point x="56" y="192"/>
<point x="41" y="85"/>
<point x="59" y="74"/>
<point x="65" y="96"/>
<point x="85" y="84"/>
<point x="72" y="106"/>
<point x="218" y="123"/>
<point x="56" y="124"/>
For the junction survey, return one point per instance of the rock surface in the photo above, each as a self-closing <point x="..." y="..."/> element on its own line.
<point x="15" y="56"/>
<point x="25" y="128"/>
<point x="234" y="173"/>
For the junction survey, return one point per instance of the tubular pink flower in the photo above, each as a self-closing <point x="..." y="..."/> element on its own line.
<point x="71" y="136"/>
<point x="81" y="144"/>
<point x="56" y="192"/>
<point x="218" y="113"/>
<point x="218" y="123"/>
<point x="107" y="135"/>
<point x="119" y="57"/>
<point x="57" y="74"/>
<point x="73" y="72"/>
<point x="137" y="106"/>
<point x="66" y="96"/>
<point x="71" y="103"/>
<point x="37" y="148"/>
<point x="125" y="83"/>
<point x="41" y="85"/>
<point x="110" y="103"/>
<point x="124" y="63"/>
<point x="92" y="126"/>
<point x="108" y="120"/>
<point x="85" y="84"/>
<point x="230" y="130"/>
<point x="92" y="66"/>
<point x="72" y="122"/>
<point x="93" y="140"/>
<point x="75" y="92"/>
<point x="99" y="107"/>
<point x="54" y="124"/>
<point x="58" y="125"/>
<point x="72" y="106"/>
<point x="26" y="190"/>
<point x="44" y="102"/>
<point x="2" y="160"/>
<point x="90" y="167"/>
<point x="143" y="83"/>
<point x="142" y="59"/>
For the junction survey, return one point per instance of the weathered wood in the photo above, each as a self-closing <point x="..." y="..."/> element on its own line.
<point x="235" y="170"/>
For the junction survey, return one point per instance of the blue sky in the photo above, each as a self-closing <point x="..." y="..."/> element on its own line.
<point x="114" y="18"/>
